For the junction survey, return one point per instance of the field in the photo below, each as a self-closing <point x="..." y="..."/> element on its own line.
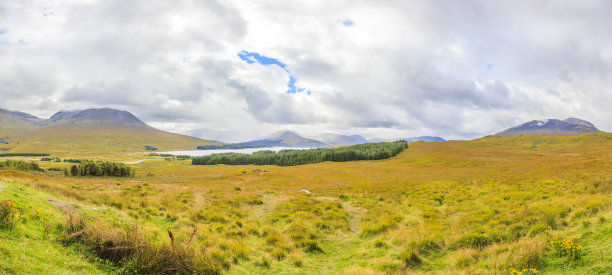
<point x="484" y="206"/>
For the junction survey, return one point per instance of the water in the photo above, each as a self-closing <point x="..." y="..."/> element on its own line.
<point x="199" y="153"/>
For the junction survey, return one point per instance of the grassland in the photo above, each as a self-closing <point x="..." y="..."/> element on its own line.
<point x="91" y="141"/>
<point x="462" y="207"/>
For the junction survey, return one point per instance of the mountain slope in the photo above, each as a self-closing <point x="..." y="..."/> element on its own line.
<point x="94" y="131"/>
<point x="285" y="139"/>
<point x="337" y="140"/>
<point x="411" y="139"/>
<point x="551" y="127"/>
<point x="15" y="123"/>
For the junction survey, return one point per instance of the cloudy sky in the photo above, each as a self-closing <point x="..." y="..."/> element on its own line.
<point x="233" y="70"/>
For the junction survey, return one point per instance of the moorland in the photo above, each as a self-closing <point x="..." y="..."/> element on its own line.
<point x="494" y="205"/>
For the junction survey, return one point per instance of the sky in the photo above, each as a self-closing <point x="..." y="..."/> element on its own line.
<point x="236" y="70"/>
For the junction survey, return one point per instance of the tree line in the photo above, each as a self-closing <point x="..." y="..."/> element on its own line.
<point x="20" y="165"/>
<point x="366" y="151"/>
<point x="23" y="155"/>
<point x="101" y="169"/>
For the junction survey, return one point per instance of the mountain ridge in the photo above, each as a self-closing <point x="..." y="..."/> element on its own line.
<point x="284" y="139"/>
<point x="87" y="130"/>
<point x="570" y="127"/>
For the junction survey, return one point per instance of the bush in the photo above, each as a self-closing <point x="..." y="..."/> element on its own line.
<point x="565" y="246"/>
<point x="20" y="165"/>
<point x="9" y="214"/>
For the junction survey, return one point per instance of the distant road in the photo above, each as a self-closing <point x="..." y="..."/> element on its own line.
<point x="136" y="162"/>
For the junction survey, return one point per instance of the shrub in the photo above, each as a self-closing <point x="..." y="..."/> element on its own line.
<point x="20" y="165"/>
<point x="9" y="214"/>
<point x="565" y="246"/>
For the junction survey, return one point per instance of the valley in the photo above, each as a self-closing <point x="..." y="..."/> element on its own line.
<point x="477" y="207"/>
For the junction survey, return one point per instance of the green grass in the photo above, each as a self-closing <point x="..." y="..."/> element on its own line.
<point x="475" y="207"/>
<point x="27" y="249"/>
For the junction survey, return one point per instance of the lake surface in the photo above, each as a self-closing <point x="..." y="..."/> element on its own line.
<point x="199" y="153"/>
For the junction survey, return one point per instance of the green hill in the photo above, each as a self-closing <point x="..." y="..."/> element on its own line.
<point x="92" y="131"/>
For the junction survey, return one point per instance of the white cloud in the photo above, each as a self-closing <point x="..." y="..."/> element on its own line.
<point x="401" y="69"/>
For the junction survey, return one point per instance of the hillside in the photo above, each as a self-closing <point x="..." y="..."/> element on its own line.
<point x="89" y="131"/>
<point x="551" y="127"/>
<point x="337" y="140"/>
<point x="411" y="139"/>
<point x="459" y="207"/>
<point x="285" y="139"/>
<point x="15" y="123"/>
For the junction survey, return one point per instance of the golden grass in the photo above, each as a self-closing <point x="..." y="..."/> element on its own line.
<point x="468" y="207"/>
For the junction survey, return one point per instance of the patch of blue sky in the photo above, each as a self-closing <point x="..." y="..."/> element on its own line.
<point x="45" y="11"/>
<point x="348" y="22"/>
<point x="253" y="57"/>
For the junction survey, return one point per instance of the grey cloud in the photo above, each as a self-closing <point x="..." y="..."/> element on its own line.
<point x="103" y="93"/>
<point x="416" y="67"/>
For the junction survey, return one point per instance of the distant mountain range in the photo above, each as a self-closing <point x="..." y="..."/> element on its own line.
<point x="551" y="127"/>
<point x="91" y="129"/>
<point x="293" y="139"/>
<point x="286" y="139"/>
<point x="338" y="140"/>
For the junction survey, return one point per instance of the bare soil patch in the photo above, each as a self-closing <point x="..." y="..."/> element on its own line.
<point x="64" y="205"/>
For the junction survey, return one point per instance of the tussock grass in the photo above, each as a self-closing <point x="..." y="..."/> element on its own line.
<point x="135" y="253"/>
<point x="473" y="207"/>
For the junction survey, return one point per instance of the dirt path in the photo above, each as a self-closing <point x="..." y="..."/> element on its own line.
<point x="136" y="162"/>
<point x="356" y="213"/>
<point x="198" y="200"/>
<point x="64" y="205"/>
<point x="2" y="186"/>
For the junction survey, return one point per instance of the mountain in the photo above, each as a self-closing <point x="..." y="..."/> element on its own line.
<point x="337" y="140"/>
<point x="551" y="127"/>
<point x="91" y="130"/>
<point x="98" y="117"/>
<point x="14" y="123"/>
<point x="284" y="139"/>
<point x="411" y="139"/>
